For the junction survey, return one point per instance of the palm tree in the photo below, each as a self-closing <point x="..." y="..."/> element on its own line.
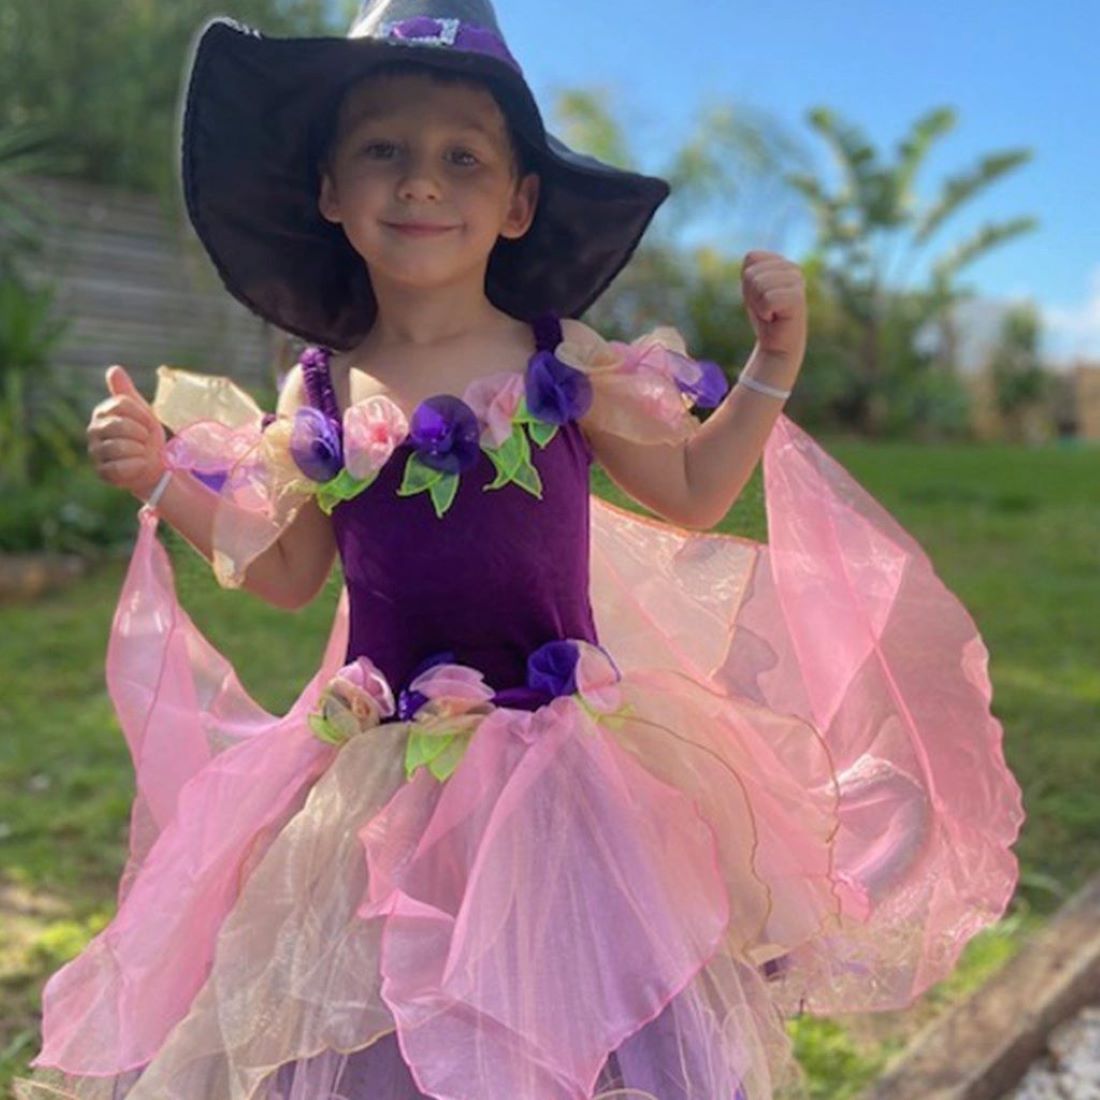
<point x="857" y="247"/>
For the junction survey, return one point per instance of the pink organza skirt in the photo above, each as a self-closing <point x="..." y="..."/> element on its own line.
<point x="799" y="803"/>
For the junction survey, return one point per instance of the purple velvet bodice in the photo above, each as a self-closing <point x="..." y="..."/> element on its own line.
<point x="495" y="577"/>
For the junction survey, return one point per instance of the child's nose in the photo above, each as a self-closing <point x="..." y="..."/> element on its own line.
<point x="419" y="181"/>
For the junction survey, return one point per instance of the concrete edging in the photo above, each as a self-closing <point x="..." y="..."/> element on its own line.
<point x="984" y="1045"/>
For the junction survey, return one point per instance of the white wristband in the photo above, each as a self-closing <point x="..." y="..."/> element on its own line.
<point x="761" y="387"/>
<point x="158" y="492"/>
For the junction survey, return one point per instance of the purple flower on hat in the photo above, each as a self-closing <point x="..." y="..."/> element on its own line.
<point x="555" y="391"/>
<point x="552" y="668"/>
<point x="315" y="444"/>
<point x="446" y="433"/>
<point x="709" y="388"/>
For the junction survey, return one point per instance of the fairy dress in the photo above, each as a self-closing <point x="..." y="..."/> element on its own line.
<point x="578" y="803"/>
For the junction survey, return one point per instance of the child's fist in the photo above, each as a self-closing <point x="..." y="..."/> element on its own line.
<point x="125" y="438"/>
<point x="774" y="293"/>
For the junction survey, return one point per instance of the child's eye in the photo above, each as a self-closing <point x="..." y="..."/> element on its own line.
<point x="467" y="153"/>
<point x="377" y="145"/>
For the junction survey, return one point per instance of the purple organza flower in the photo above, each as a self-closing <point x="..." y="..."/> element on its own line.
<point x="446" y="433"/>
<point x="315" y="444"/>
<point x="552" y="668"/>
<point x="709" y="388"/>
<point x="556" y="392"/>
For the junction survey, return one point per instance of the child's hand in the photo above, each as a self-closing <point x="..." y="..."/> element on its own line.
<point x="125" y="438"/>
<point x="774" y="293"/>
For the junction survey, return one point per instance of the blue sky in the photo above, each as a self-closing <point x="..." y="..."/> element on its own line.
<point x="1018" y="74"/>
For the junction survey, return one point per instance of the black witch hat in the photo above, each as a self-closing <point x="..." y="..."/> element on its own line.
<point x="258" y="111"/>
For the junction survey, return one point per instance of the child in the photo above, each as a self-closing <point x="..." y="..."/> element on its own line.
<point x="578" y="803"/>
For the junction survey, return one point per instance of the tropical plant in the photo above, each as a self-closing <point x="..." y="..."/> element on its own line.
<point x="1019" y="380"/>
<point x="40" y="421"/>
<point x="859" y="230"/>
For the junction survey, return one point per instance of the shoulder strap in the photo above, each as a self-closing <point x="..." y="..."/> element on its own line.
<point x="547" y="329"/>
<point x="315" y="373"/>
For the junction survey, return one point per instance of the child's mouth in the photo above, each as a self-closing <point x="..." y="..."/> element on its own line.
<point x="414" y="230"/>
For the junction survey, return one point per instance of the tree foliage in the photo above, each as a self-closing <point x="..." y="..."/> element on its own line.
<point x="869" y="233"/>
<point x="105" y="80"/>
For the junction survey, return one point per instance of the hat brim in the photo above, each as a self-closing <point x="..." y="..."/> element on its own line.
<point x="248" y="166"/>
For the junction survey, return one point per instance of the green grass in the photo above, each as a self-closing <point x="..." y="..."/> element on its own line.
<point x="1013" y="532"/>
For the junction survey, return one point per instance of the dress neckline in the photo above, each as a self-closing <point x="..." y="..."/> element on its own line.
<point x="315" y="362"/>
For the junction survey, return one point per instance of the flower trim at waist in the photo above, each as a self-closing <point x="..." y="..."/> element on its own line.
<point x="444" y="702"/>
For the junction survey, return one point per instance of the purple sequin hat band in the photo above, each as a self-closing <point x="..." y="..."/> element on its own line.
<point x="422" y="30"/>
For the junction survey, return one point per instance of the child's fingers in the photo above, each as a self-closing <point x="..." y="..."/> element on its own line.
<point x="120" y="382"/>
<point x="118" y="426"/>
<point x="124" y="415"/>
<point x="118" y="447"/>
<point x="124" y="471"/>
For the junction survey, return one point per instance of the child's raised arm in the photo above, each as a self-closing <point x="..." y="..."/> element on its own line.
<point x="125" y="443"/>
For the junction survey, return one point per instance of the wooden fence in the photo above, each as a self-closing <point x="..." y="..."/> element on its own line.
<point x="134" y="286"/>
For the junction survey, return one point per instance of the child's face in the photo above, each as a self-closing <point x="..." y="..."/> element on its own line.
<point x="408" y="149"/>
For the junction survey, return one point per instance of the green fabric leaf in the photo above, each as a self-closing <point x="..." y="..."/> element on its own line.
<point x="324" y="729"/>
<point x="419" y="749"/>
<point x="509" y="455"/>
<point x="527" y="477"/>
<point x="446" y="761"/>
<point x="542" y="431"/>
<point x="443" y="492"/>
<point x="342" y="487"/>
<point x="426" y="749"/>
<point x="418" y="477"/>
<point x="515" y="465"/>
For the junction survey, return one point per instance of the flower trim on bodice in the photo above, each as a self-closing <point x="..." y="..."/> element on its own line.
<point x="264" y="466"/>
<point x="499" y="415"/>
<point x="633" y="389"/>
<point x="445" y="702"/>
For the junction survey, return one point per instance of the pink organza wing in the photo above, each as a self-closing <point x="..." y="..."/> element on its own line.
<point x="892" y="669"/>
<point x="840" y="624"/>
<point x="216" y="777"/>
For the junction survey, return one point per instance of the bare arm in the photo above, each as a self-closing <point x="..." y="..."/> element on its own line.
<point x="293" y="570"/>
<point x="695" y="483"/>
<point x="720" y="458"/>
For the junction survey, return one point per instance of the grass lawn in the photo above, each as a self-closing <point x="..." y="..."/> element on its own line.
<point x="1013" y="532"/>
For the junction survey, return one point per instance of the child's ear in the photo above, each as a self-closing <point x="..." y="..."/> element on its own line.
<point x="326" y="201"/>
<point x="525" y="200"/>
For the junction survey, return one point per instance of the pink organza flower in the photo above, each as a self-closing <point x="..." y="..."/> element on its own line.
<point x="661" y="350"/>
<point x="597" y="677"/>
<point x="372" y="429"/>
<point x="208" y="446"/>
<point x="357" y="698"/>
<point x="495" y="400"/>
<point x="663" y="353"/>
<point x="457" y="699"/>
<point x="589" y="352"/>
